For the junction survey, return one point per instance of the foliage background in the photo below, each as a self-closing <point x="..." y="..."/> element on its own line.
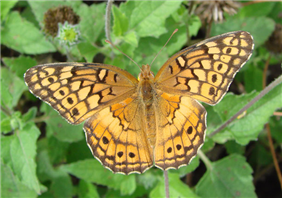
<point x="44" y="156"/>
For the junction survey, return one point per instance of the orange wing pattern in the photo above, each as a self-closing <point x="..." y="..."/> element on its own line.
<point x="78" y="90"/>
<point x="205" y="70"/>
<point x="116" y="137"/>
<point x="181" y="130"/>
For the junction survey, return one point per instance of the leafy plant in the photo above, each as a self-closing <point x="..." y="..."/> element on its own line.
<point x="44" y="156"/>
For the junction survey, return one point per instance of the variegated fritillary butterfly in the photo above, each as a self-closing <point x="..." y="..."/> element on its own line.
<point x="132" y="124"/>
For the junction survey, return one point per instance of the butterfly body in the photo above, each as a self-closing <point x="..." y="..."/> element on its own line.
<point x="148" y="96"/>
<point x="132" y="124"/>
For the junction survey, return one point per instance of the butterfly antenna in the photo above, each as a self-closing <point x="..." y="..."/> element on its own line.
<point x="164" y="45"/>
<point x="122" y="52"/>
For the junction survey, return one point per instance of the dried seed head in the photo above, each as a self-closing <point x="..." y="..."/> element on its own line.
<point x="213" y="10"/>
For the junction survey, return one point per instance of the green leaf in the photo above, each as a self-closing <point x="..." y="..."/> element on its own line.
<point x="5" y="149"/>
<point x="229" y="177"/>
<point x="6" y="6"/>
<point x="147" y="18"/>
<point x="23" y="36"/>
<point x="149" y="47"/>
<point x="253" y="78"/>
<point x="45" y="170"/>
<point x="57" y="150"/>
<point x="92" y="171"/>
<point x="92" y="21"/>
<point x="12" y="88"/>
<point x="29" y="16"/>
<point x="261" y="9"/>
<point x="121" y="23"/>
<point x="120" y="61"/>
<point x="11" y="186"/>
<point x="20" y="64"/>
<point x="139" y="192"/>
<point x="16" y="122"/>
<point x="87" y="50"/>
<point x="187" y="169"/>
<point x="78" y="151"/>
<point x="232" y="147"/>
<point x="254" y="25"/>
<point x="128" y="185"/>
<point x="150" y="178"/>
<point x="274" y="14"/>
<point x="225" y="111"/>
<point x="5" y="125"/>
<point x="208" y="144"/>
<point x="176" y="188"/>
<point x="29" y="115"/>
<point x="23" y="152"/>
<point x="213" y="119"/>
<point x="60" y="181"/>
<point x="61" y="186"/>
<point x="194" y="24"/>
<point x="260" y="156"/>
<point x="275" y="128"/>
<point x="132" y="39"/>
<point x="59" y="127"/>
<point x="87" y="190"/>
<point x="248" y="127"/>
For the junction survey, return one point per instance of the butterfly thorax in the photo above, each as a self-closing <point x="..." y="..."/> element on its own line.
<point x="146" y="78"/>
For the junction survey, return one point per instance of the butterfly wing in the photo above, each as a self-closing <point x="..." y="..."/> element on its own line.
<point x="181" y="130"/>
<point x="116" y="138"/>
<point x="205" y="70"/>
<point x="78" y="90"/>
<point x="106" y="96"/>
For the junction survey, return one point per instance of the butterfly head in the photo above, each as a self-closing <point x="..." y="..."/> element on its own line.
<point x="146" y="73"/>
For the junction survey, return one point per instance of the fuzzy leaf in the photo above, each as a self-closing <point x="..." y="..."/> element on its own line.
<point x="22" y="36"/>
<point x="229" y="177"/>
<point x="92" y="171"/>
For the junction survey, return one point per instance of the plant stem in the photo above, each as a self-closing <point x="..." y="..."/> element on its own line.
<point x="272" y="150"/>
<point x="270" y="141"/>
<point x="6" y="110"/>
<point x="40" y="119"/>
<point x="166" y="184"/>
<point x="108" y="20"/>
<point x="206" y="160"/>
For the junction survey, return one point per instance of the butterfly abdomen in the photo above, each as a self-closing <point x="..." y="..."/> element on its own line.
<point x="149" y="113"/>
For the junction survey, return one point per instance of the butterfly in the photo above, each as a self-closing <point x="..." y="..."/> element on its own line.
<point x="132" y="124"/>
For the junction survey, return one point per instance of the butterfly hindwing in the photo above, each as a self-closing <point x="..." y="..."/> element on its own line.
<point x="181" y="130"/>
<point x="115" y="136"/>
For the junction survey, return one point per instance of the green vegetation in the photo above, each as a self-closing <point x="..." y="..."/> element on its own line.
<point x="44" y="156"/>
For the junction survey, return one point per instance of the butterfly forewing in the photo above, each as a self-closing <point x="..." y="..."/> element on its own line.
<point x="78" y="90"/>
<point x="205" y="70"/>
